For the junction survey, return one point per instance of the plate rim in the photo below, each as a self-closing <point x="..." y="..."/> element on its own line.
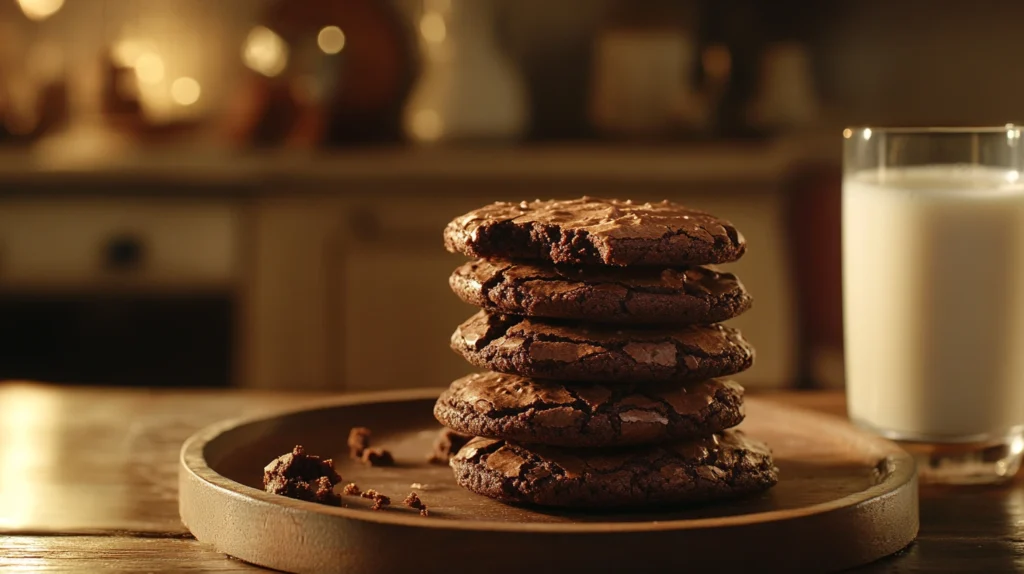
<point x="193" y="465"/>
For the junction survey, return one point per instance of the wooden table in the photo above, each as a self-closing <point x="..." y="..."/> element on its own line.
<point x="89" y="477"/>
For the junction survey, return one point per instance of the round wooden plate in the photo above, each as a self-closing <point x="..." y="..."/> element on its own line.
<point x="844" y="498"/>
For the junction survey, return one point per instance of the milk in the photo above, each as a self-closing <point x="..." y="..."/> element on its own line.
<point x="933" y="280"/>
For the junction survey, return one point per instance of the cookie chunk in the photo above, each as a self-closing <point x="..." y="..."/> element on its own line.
<point x="302" y="476"/>
<point x="358" y="441"/>
<point x="447" y="443"/>
<point x="720" y="466"/>
<point x="645" y="295"/>
<point x="552" y="349"/>
<point x="536" y="411"/>
<point x="377" y="457"/>
<point x="591" y="231"/>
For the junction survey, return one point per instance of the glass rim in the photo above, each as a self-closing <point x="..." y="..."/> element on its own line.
<point x="925" y="130"/>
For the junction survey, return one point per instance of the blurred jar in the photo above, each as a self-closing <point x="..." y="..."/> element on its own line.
<point x="468" y="88"/>
<point x="644" y="58"/>
<point x="786" y="96"/>
<point x="326" y="73"/>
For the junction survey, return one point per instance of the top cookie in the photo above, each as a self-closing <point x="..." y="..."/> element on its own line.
<point x="589" y="231"/>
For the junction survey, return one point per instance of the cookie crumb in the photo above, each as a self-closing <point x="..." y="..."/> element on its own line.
<point x="358" y="441"/>
<point x="424" y="512"/>
<point x="447" y="443"/>
<point x="351" y="489"/>
<point x="417" y="485"/>
<point x="378" y="457"/>
<point x="413" y="501"/>
<point x="302" y="476"/>
<point x="371" y="493"/>
<point x="379" y="500"/>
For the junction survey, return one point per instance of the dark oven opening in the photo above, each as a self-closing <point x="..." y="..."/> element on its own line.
<point x="136" y="340"/>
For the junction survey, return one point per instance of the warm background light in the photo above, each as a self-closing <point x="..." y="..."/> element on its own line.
<point x="46" y="61"/>
<point x="427" y="125"/>
<point x="149" y="68"/>
<point x="26" y="448"/>
<point x="185" y="91"/>
<point x="331" y="39"/>
<point x="441" y="6"/>
<point x="40" y="9"/>
<point x="127" y="51"/>
<point x="432" y="28"/>
<point x="265" y="52"/>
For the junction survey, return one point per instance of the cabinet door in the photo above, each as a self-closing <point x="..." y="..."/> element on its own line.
<point x="765" y="270"/>
<point x="397" y="311"/>
<point x="287" y="297"/>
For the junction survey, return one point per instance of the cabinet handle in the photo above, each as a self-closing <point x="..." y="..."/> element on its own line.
<point x="364" y="224"/>
<point x="124" y="252"/>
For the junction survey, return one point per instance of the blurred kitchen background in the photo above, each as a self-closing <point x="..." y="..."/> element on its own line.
<point x="251" y="193"/>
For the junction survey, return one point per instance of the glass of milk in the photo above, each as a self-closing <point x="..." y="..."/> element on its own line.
<point x="933" y="295"/>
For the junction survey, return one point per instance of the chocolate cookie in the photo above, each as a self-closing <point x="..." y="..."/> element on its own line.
<point x="534" y="411"/>
<point x="551" y="349"/>
<point x="590" y="231"/>
<point x="649" y="295"/>
<point x="710" y="468"/>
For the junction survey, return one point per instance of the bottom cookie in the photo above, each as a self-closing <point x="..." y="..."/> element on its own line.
<point x="721" y="466"/>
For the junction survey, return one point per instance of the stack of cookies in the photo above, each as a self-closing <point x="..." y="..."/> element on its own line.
<point x="600" y="332"/>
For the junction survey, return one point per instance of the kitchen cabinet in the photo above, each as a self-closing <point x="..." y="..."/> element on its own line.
<point x="353" y="295"/>
<point x="335" y="269"/>
<point x="103" y="243"/>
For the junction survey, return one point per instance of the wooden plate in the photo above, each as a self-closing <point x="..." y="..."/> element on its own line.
<point x="844" y="498"/>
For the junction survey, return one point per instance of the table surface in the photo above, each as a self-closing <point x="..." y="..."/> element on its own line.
<point x="89" y="484"/>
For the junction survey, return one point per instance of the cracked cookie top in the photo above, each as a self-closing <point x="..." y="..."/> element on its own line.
<point x="644" y="295"/>
<point x="536" y="411"/>
<point x="592" y="231"/>
<point x="552" y="349"/>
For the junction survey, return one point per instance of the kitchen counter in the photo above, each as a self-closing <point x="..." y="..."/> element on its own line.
<point x="201" y="170"/>
<point x="89" y="484"/>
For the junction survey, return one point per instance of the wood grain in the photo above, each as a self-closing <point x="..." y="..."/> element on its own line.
<point x="113" y="554"/>
<point x="62" y="446"/>
<point x="87" y="460"/>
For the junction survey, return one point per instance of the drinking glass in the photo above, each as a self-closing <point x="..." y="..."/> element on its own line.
<point x="933" y="295"/>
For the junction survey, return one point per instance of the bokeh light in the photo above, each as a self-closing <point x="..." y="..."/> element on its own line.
<point x="427" y="125"/>
<point x="185" y="91"/>
<point x="432" y="28"/>
<point x="265" y="52"/>
<point x="149" y="67"/>
<point x="40" y="9"/>
<point x="331" y="39"/>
